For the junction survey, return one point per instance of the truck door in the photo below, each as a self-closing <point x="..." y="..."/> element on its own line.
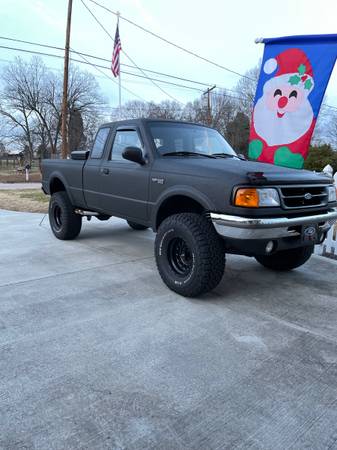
<point x="91" y="171"/>
<point x="125" y="184"/>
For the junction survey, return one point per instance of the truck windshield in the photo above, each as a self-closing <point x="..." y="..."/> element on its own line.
<point x="172" y="138"/>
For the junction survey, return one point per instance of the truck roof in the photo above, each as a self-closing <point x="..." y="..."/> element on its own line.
<point x="145" y="120"/>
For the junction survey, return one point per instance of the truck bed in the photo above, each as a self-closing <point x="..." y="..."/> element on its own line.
<point x="70" y="172"/>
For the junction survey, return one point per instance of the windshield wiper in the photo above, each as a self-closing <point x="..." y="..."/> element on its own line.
<point x="225" y="155"/>
<point x="183" y="153"/>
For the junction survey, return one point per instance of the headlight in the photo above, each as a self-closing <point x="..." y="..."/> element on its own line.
<point x="332" y="193"/>
<point x="256" y="197"/>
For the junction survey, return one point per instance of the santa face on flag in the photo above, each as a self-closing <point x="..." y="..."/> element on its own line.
<point x="283" y="118"/>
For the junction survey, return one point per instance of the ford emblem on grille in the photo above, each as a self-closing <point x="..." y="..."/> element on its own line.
<point x="308" y="196"/>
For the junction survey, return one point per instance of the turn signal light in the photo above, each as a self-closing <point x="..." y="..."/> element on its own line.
<point x="247" y="197"/>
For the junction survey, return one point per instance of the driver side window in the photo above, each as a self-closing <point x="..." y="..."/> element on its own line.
<point x="123" y="139"/>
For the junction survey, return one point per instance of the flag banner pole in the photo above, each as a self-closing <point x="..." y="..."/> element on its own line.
<point x="294" y="75"/>
<point x="120" y="95"/>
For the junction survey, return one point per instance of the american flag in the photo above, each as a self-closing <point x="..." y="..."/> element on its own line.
<point x="115" y="64"/>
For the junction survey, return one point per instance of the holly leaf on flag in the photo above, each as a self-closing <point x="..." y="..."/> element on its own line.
<point x="294" y="79"/>
<point x="308" y="84"/>
<point x="301" y="69"/>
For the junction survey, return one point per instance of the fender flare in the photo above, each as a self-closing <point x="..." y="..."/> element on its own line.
<point x="182" y="190"/>
<point x="58" y="175"/>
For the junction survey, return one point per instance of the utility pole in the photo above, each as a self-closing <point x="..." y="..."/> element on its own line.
<point x="209" y="112"/>
<point x="65" y="85"/>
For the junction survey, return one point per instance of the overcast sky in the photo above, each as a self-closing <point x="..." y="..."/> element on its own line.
<point x="223" y="31"/>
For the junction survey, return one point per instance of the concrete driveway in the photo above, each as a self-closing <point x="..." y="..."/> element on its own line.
<point x="96" y="353"/>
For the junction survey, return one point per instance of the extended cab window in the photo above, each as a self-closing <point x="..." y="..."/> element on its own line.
<point x="123" y="139"/>
<point x="98" y="147"/>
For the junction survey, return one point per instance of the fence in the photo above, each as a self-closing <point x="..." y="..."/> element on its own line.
<point x="329" y="246"/>
<point x="10" y="161"/>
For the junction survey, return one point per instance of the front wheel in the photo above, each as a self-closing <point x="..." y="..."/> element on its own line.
<point x="64" y="222"/>
<point x="189" y="254"/>
<point x="286" y="259"/>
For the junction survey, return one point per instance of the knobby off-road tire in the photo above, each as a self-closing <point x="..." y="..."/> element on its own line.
<point x="65" y="224"/>
<point x="136" y="226"/>
<point x="286" y="259"/>
<point x="189" y="254"/>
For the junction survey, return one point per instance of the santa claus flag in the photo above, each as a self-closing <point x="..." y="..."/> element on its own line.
<point x="294" y="75"/>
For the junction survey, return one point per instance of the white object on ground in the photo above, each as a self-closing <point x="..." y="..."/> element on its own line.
<point x="328" y="169"/>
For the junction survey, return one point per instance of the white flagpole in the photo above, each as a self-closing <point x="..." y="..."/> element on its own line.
<point x="119" y="77"/>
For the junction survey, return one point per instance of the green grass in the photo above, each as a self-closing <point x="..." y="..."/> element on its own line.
<point x="33" y="195"/>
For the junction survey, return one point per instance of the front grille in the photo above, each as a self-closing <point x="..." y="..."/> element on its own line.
<point x="304" y="196"/>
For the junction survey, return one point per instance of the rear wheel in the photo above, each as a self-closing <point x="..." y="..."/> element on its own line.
<point x="136" y="226"/>
<point x="286" y="259"/>
<point x="189" y="254"/>
<point x="65" y="224"/>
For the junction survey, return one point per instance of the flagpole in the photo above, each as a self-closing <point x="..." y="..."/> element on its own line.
<point x="119" y="78"/>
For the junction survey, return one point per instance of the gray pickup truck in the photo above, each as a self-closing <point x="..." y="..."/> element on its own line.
<point x="185" y="182"/>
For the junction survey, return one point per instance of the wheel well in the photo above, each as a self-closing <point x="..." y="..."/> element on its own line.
<point x="56" y="185"/>
<point x="175" y="205"/>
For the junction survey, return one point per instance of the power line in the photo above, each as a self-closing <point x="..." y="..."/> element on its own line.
<point x="151" y="79"/>
<point x="96" y="66"/>
<point x="107" y="32"/>
<point x="330" y="106"/>
<point x="35" y="52"/>
<point x="38" y="44"/>
<point x="5" y="38"/>
<point x="190" y="52"/>
<point x="107" y="60"/>
<point x="111" y="79"/>
<point x="122" y="64"/>
<point x="125" y="72"/>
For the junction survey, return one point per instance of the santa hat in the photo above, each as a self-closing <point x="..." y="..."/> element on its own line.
<point x="293" y="67"/>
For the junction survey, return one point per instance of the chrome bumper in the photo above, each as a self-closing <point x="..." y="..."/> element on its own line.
<point x="237" y="227"/>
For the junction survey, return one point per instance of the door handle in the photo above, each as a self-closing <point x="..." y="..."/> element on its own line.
<point x="105" y="171"/>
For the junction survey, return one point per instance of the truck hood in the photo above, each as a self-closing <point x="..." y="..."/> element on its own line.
<point x="237" y="170"/>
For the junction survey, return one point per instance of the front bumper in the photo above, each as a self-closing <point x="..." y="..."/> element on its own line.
<point x="237" y="227"/>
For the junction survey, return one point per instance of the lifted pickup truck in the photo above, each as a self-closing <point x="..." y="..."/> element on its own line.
<point x="185" y="182"/>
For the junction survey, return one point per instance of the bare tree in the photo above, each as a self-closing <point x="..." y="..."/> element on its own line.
<point x="332" y="129"/>
<point x="17" y="118"/>
<point x="136" y="109"/>
<point x="223" y="109"/>
<point x="238" y="133"/>
<point x="246" y="88"/>
<point x="31" y="102"/>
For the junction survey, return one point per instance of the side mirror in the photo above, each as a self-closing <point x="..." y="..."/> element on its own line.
<point x="80" y="155"/>
<point x="134" y="154"/>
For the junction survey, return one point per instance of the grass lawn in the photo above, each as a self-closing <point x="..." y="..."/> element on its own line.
<point x="28" y="200"/>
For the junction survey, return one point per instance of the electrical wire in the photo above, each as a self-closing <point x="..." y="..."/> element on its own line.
<point x="125" y="72"/>
<point x="113" y="40"/>
<point x="190" y="52"/>
<point x="95" y="65"/>
<point x="38" y="44"/>
<point x="111" y="79"/>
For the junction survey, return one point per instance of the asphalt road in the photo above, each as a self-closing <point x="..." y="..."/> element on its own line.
<point x="96" y="353"/>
